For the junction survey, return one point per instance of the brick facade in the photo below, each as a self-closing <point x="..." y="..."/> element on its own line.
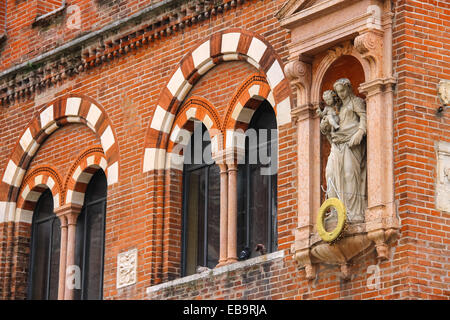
<point x="117" y="97"/>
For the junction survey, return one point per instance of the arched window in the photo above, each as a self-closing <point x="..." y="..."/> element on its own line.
<point x="201" y="204"/>
<point x="257" y="184"/>
<point x="45" y="247"/>
<point x="90" y="239"/>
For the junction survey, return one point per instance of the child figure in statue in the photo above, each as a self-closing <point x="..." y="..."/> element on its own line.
<point x="329" y="111"/>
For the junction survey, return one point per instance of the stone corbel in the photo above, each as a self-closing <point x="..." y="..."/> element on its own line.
<point x="299" y="74"/>
<point x="370" y="45"/>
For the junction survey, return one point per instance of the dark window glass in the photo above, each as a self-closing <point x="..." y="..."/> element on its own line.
<point x="201" y="204"/>
<point x="45" y="247"/>
<point x="257" y="184"/>
<point x="90" y="239"/>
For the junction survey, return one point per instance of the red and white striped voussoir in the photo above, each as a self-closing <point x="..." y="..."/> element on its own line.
<point x="82" y="172"/>
<point x="196" y="108"/>
<point x="36" y="182"/>
<point x="230" y="45"/>
<point x="243" y="105"/>
<point x="62" y="111"/>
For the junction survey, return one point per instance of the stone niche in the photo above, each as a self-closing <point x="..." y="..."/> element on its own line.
<point x="333" y="39"/>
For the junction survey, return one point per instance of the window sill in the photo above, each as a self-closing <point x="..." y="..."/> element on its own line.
<point x="218" y="271"/>
<point x="46" y="19"/>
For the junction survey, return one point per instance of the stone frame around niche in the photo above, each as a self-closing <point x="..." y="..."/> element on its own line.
<point x="363" y="30"/>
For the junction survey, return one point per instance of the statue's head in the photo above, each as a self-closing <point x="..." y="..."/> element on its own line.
<point x="330" y="97"/>
<point x="343" y="88"/>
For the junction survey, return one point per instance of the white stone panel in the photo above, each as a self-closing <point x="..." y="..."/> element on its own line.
<point x="175" y="161"/>
<point x="50" y="183"/>
<point x="25" y="216"/>
<point x="107" y="139"/>
<point x="93" y="115"/>
<point x="46" y="117"/>
<point x="10" y="171"/>
<point x="154" y="159"/>
<point x="275" y="75"/>
<point x="26" y="140"/>
<point x="51" y="128"/>
<point x="176" y="82"/>
<point x="113" y="173"/>
<point x="160" y="120"/>
<point x="230" y="42"/>
<point x="208" y="122"/>
<point x="201" y="54"/>
<point x="256" y="50"/>
<point x="103" y="164"/>
<point x="284" y="112"/>
<point x="237" y="111"/>
<point x="190" y="114"/>
<point x="72" y="106"/>
<point x="206" y="67"/>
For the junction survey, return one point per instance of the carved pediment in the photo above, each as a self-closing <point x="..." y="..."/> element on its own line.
<point x="302" y="10"/>
<point x="293" y="6"/>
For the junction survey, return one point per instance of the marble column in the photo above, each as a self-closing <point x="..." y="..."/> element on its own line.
<point x="62" y="255"/>
<point x="68" y="215"/>
<point x="232" y="213"/>
<point x="223" y="215"/>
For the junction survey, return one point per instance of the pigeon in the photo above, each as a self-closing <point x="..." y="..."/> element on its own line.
<point x="261" y="249"/>
<point x="201" y="269"/>
<point x="245" y="254"/>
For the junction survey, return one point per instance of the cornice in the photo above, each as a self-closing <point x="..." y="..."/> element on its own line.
<point x="117" y="39"/>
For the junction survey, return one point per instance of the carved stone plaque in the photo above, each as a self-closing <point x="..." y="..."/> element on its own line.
<point x="126" y="268"/>
<point x="443" y="177"/>
<point x="444" y="92"/>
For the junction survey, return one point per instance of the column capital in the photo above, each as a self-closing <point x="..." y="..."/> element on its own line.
<point x="304" y="112"/>
<point x="229" y="156"/>
<point x="68" y="213"/>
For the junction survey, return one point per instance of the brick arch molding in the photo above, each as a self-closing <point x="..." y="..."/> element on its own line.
<point x="62" y="111"/>
<point x="81" y="173"/>
<point x="229" y="45"/>
<point x="35" y="183"/>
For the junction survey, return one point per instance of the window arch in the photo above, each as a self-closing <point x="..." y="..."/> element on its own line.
<point x="257" y="185"/>
<point x="45" y="250"/>
<point x="201" y="204"/>
<point x="90" y="239"/>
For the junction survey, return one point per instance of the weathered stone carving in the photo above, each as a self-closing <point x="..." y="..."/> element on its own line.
<point x="443" y="176"/>
<point x="444" y="92"/>
<point x="126" y="268"/>
<point x="346" y="166"/>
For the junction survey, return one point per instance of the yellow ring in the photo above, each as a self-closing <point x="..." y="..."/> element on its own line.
<point x="342" y="217"/>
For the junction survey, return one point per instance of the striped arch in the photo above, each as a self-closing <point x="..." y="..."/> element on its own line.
<point x="230" y="45"/>
<point x="60" y="112"/>
<point x="81" y="173"/>
<point x="39" y="180"/>
<point x="196" y="108"/>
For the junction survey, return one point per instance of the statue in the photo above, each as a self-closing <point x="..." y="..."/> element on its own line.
<point x="346" y="165"/>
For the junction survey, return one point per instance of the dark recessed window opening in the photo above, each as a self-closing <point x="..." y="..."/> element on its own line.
<point x="45" y="247"/>
<point x="90" y="239"/>
<point x="257" y="185"/>
<point x="201" y="205"/>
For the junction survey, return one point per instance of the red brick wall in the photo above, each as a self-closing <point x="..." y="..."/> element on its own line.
<point x="128" y="88"/>
<point x="421" y="60"/>
<point x="47" y="6"/>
